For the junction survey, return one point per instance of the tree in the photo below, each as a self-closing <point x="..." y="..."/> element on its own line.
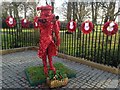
<point x="83" y="11"/>
<point x="69" y="11"/>
<point x="5" y="9"/>
<point x="111" y="12"/>
<point x="52" y="4"/>
<point x="77" y="10"/>
<point x="95" y="8"/>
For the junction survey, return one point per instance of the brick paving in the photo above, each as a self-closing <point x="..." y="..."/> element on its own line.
<point x="13" y="76"/>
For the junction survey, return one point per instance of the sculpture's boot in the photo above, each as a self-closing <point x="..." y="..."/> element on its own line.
<point x="44" y="60"/>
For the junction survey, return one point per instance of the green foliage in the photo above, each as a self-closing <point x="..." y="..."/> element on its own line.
<point x="58" y="76"/>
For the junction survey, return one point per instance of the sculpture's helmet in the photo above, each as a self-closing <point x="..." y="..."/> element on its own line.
<point x="45" y="11"/>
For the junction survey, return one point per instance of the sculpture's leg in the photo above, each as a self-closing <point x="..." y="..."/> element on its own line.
<point x="51" y="64"/>
<point x="44" y="60"/>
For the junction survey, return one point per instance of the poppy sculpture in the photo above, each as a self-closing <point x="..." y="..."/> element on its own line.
<point x="47" y="46"/>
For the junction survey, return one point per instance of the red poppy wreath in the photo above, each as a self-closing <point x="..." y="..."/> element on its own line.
<point x="71" y="26"/>
<point x="87" y="27"/>
<point x="110" y="28"/>
<point x="10" y="21"/>
<point x="24" y="23"/>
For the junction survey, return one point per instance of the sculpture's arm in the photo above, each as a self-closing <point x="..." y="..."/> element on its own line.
<point x="57" y="33"/>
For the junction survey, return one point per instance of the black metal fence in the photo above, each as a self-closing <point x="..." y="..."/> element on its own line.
<point x="17" y="36"/>
<point x="95" y="46"/>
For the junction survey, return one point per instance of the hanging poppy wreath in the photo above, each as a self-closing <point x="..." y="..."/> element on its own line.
<point x="71" y="26"/>
<point x="87" y="27"/>
<point x="24" y="23"/>
<point x="10" y="21"/>
<point x="110" y="28"/>
<point x="36" y="25"/>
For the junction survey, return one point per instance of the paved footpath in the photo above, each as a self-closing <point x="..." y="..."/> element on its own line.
<point x="13" y="76"/>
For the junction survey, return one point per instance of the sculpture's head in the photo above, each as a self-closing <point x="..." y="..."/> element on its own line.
<point x="45" y="11"/>
<point x="45" y="14"/>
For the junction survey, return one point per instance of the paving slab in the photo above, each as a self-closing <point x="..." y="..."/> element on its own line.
<point x="14" y="64"/>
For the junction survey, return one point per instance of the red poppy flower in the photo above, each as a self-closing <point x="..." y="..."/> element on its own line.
<point x="10" y="21"/>
<point x="87" y="27"/>
<point x="71" y="26"/>
<point x="110" y="28"/>
<point x="24" y="23"/>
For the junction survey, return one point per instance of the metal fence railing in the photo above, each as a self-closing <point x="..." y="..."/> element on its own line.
<point x="95" y="46"/>
<point x="17" y="37"/>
